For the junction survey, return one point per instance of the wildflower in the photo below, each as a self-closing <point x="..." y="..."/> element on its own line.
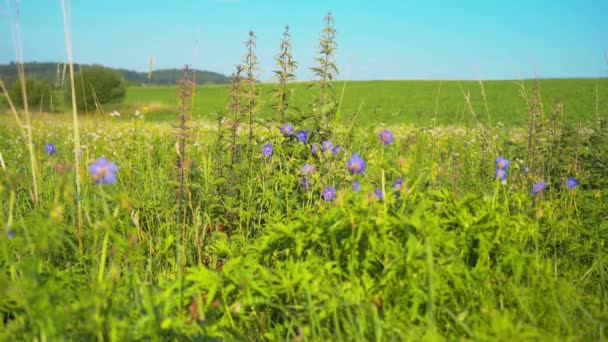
<point x="398" y="184"/>
<point x="386" y="137"/>
<point x="314" y="149"/>
<point x="137" y="113"/>
<point x="9" y="232"/>
<point x="356" y="186"/>
<point x="526" y="169"/>
<point x="287" y="129"/>
<point x="267" y="150"/>
<point x="308" y="169"/>
<point x="103" y="171"/>
<point x="50" y="149"/>
<point x="305" y="183"/>
<point x="378" y="192"/>
<point x="355" y="164"/>
<point x="538" y="187"/>
<point x="502" y="163"/>
<point x="329" y="193"/>
<point x="114" y="114"/>
<point x="335" y="150"/>
<point x="326" y="146"/>
<point x="500" y="174"/>
<point x="572" y="182"/>
<point x="302" y="135"/>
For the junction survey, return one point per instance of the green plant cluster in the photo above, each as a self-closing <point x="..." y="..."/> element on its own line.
<point x="40" y="95"/>
<point x="455" y="255"/>
<point x="96" y="86"/>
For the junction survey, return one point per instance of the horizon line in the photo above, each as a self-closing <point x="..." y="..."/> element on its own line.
<point x="270" y="81"/>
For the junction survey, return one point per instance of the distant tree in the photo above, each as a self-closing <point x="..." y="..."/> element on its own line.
<point x="39" y="93"/>
<point x="97" y="84"/>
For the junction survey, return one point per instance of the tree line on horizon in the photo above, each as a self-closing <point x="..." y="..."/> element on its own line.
<point x="54" y="73"/>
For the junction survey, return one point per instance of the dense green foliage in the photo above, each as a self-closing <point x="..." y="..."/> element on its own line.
<point x="172" y="76"/>
<point x="40" y="95"/>
<point x="95" y="86"/>
<point x="456" y="254"/>
<point x="50" y="72"/>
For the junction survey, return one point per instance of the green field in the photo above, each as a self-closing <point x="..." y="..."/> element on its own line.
<point x="396" y="102"/>
<point x="389" y="102"/>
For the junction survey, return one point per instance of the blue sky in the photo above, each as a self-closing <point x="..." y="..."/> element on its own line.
<point x="398" y="39"/>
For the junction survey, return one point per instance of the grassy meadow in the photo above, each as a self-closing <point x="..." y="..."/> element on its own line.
<point x="399" y="102"/>
<point x="191" y="244"/>
<point x="389" y="102"/>
<point x="357" y="211"/>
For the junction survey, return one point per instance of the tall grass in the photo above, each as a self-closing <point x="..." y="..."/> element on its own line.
<point x="75" y="127"/>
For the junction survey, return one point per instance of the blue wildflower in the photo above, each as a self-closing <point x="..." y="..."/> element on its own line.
<point x="103" y="171"/>
<point x="308" y="169"/>
<point x="305" y="183"/>
<point x="502" y="163"/>
<point x="538" y="187"/>
<point x="314" y="148"/>
<point x="267" y="150"/>
<point x="329" y="193"/>
<point x="326" y="146"/>
<point x="500" y="174"/>
<point x="335" y="150"/>
<point x="50" y="149"/>
<point x="572" y="182"/>
<point x="526" y="169"/>
<point x="378" y="192"/>
<point x="9" y="232"/>
<point x="386" y="137"/>
<point x="302" y="135"/>
<point x="356" y="186"/>
<point x="287" y="129"/>
<point x="355" y="164"/>
<point x="398" y="186"/>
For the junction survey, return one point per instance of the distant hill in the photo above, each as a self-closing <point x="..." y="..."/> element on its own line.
<point x="53" y="72"/>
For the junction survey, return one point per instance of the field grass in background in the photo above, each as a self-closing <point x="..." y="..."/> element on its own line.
<point x="395" y="102"/>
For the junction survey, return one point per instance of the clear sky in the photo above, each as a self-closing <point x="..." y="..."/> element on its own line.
<point x="382" y="39"/>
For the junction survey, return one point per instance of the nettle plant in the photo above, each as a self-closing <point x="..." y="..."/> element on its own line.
<point x="325" y="106"/>
<point x="285" y="72"/>
<point x="238" y="191"/>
